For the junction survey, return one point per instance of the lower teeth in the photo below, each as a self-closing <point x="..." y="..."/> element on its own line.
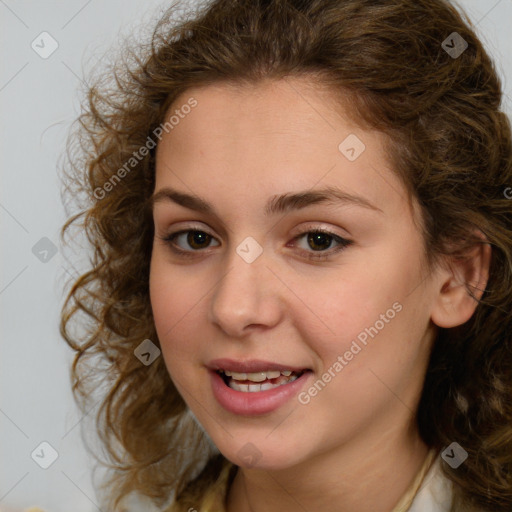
<point x="257" y="386"/>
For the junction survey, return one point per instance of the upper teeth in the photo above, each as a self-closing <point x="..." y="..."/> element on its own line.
<point x="259" y="376"/>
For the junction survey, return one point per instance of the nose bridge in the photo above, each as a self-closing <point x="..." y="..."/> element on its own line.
<point x="247" y="294"/>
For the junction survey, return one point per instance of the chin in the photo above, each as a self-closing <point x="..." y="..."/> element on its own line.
<point x="262" y="455"/>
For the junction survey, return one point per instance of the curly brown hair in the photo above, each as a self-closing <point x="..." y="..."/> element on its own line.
<point x="451" y="145"/>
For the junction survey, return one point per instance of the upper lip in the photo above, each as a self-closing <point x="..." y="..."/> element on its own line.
<point x="250" y="366"/>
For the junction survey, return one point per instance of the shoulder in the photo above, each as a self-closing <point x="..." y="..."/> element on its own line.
<point x="435" y="493"/>
<point x="209" y="491"/>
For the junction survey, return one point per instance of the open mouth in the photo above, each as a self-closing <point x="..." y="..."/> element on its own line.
<point x="259" y="381"/>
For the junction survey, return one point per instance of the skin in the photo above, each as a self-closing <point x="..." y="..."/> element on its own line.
<point x="355" y="445"/>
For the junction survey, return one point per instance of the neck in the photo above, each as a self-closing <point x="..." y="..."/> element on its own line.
<point x="368" y="474"/>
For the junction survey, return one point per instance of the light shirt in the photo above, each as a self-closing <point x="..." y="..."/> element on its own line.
<point x="430" y="490"/>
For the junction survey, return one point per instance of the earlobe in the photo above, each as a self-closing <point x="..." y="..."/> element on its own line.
<point x="462" y="285"/>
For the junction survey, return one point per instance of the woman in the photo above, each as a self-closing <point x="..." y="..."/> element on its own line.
<point x="302" y="270"/>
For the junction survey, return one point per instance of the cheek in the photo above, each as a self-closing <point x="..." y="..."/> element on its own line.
<point x="371" y="367"/>
<point x="338" y="314"/>
<point x="174" y="304"/>
<point x="368" y="322"/>
<point x="175" y="292"/>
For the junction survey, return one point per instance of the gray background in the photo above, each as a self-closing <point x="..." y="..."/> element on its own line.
<point x="39" y="99"/>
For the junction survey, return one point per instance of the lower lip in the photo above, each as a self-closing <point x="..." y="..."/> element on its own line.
<point x="260" y="402"/>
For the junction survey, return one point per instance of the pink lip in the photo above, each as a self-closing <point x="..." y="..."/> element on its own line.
<point x="261" y="402"/>
<point x="250" y="366"/>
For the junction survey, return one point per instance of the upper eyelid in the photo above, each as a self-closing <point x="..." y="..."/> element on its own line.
<point x="304" y="231"/>
<point x="314" y="256"/>
<point x="201" y="226"/>
<point x="310" y="227"/>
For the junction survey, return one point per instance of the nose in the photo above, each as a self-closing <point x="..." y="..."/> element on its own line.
<point x="246" y="297"/>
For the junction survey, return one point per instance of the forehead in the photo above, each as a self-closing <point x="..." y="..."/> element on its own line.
<point x="295" y="105"/>
<point x="288" y="134"/>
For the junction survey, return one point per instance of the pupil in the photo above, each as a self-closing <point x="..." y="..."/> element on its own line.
<point x="199" y="238"/>
<point x="318" y="238"/>
<point x="196" y="238"/>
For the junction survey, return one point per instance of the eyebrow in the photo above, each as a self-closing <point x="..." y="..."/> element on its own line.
<point x="277" y="204"/>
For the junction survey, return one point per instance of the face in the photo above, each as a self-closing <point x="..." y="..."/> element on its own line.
<point x="334" y="289"/>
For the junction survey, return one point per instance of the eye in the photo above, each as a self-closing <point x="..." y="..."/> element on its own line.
<point x="320" y="240"/>
<point x="196" y="239"/>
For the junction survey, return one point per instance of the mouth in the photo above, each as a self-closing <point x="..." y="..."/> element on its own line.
<point x="255" y="382"/>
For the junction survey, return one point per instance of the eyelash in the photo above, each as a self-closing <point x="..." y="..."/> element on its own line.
<point x="313" y="256"/>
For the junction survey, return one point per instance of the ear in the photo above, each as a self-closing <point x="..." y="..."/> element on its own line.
<point x="462" y="285"/>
